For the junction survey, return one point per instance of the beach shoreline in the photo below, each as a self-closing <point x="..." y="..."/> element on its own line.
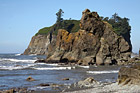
<point x="111" y="88"/>
<point x="104" y="88"/>
<point x="67" y="75"/>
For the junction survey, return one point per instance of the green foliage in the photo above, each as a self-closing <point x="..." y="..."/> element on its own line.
<point x="44" y="30"/>
<point x="120" y="25"/>
<point x="59" y="15"/>
<point x="69" y="25"/>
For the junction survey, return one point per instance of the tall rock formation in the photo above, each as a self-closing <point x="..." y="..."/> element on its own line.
<point x="94" y="43"/>
<point x="39" y="44"/>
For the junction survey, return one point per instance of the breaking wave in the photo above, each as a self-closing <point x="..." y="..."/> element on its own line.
<point x="16" y="60"/>
<point x="84" y="66"/>
<point x="32" y="54"/>
<point x="17" y="54"/>
<point x="16" y="67"/>
<point x="54" y="68"/>
<point x="52" y="64"/>
<point x="102" y="72"/>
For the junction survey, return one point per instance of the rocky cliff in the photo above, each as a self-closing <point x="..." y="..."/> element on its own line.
<point x="94" y="43"/>
<point x="41" y="41"/>
<point x="39" y="44"/>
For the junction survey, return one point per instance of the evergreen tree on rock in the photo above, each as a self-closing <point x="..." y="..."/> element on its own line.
<point x="59" y="15"/>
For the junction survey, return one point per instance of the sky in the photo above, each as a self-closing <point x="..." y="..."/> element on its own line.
<point x="21" y="19"/>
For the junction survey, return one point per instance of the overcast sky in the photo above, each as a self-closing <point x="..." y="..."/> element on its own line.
<point x="21" y="19"/>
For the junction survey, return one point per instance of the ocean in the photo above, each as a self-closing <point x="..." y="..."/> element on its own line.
<point x="16" y="68"/>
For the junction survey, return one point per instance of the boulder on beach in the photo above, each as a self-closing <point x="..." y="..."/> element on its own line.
<point x="30" y="79"/>
<point x="9" y="91"/>
<point x="86" y="61"/>
<point x="129" y="75"/>
<point x="88" y="82"/>
<point x="15" y="90"/>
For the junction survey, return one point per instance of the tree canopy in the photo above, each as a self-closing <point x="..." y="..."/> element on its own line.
<point x="120" y="25"/>
<point x="59" y="15"/>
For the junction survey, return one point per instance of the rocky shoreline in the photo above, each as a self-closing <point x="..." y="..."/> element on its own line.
<point x="131" y="61"/>
<point x="110" y="88"/>
<point x="83" y="87"/>
<point x="95" y="42"/>
<point x="128" y="80"/>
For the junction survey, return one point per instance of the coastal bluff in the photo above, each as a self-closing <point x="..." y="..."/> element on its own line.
<point x="94" y="43"/>
<point x="38" y="45"/>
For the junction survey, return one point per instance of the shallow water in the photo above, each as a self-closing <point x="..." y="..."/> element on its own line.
<point x="15" y="68"/>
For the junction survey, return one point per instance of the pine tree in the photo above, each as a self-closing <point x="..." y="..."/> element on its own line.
<point x="59" y="15"/>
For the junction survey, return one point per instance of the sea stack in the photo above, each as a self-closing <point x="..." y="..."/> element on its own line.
<point x="94" y="43"/>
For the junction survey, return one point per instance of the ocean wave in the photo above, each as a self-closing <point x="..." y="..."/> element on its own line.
<point x="16" y="67"/>
<point x="32" y="54"/>
<point x="16" y="60"/>
<point x="47" y="64"/>
<point x="52" y="64"/>
<point x="54" y="68"/>
<point x="37" y="88"/>
<point x="103" y="72"/>
<point x="17" y="54"/>
<point x="84" y="66"/>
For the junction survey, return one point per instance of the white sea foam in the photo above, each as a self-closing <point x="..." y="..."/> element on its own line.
<point x="41" y="63"/>
<point x="84" y="66"/>
<point x="47" y="64"/>
<point x="17" y="54"/>
<point x="16" y="60"/>
<point x="32" y="54"/>
<point x="54" y="68"/>
<point x="16" y="67"/>
<point x="37" y="87"/>
<point x="103" y="72"/>
<point x="52" y="64"/>
<point x="41" y="87"/>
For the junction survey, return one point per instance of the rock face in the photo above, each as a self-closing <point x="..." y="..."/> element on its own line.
<point x="30" y="79"/>
<point x="94" y="43"/>
<point x="139" y="52"/>
<point x="88" y="82"/>
<point x="129" y="75"/>
<point x="39" y="44"/>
